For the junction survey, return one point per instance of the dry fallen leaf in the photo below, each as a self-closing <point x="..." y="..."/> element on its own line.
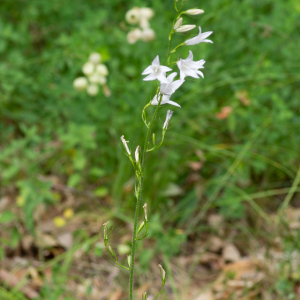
<point x="231" y="253"/>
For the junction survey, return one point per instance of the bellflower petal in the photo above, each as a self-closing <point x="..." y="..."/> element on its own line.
<point x="156" y="71"/>
<point x="165" y="100"/>
<point x="201" y="37"/>
<point x="188" y="67"/>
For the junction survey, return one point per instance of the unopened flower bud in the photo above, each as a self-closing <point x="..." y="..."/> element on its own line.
<point x="141" y="227"/>
<point x="95" y="58"/>
<point x="105" y="231"/>
<point x="145" y="211"/>
<point x="137" y="154"/>
<point x="92" y="89"/>
<point x="144" y="296"/>
<point x="80" y="83"/>
<point x="153" y="139"/>
<point x="129" y="260"/>
<point x="185" y="28"/>
<point x="193" y="12"/>
<point x="133" y="15"/>
<point x="162" y="273"/>
<point x="88" y="68"/>
<point x="178" y="23"/>
<point x="101" y="69"/>
<point x="125" y="144"/>
<point x="168" y="117"/>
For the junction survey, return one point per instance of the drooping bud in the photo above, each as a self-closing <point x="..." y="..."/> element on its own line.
<point x="168" y="117"/>
<point x="141" y="227"/>
<point x="145" y="211"/>
<point x="125" y="144"/>
<point x="185" y="28"/>
<point x="144" y="297"/>
<point x="178" y="23"/>
<point x="137" y="154"/>
<point x="129" y="260"/>
<point x="194" y="11"/>
<point x="162" y="273"/>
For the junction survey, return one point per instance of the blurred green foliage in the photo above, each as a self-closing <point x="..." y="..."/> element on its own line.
<point x="48" y="128"/>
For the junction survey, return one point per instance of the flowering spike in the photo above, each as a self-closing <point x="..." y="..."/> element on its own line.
<point x="125" y="145"/>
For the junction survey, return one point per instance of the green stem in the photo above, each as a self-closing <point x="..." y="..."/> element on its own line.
<point x="138" y="202"/>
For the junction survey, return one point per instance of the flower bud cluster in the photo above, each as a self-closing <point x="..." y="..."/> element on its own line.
<point x="95" y="74"/>
<point x="140" y="16"/>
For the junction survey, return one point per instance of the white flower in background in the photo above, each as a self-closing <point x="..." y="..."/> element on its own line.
<point x="168" y="117"/>
<point x="97" y="78"/>
<point x="188" y="67"/>
<point x="140" y="16"/>
<point x="156" y="71"/>
<point x="165" y="100"/>
<point x="80" y="83"/>
<point x="148" y="35"/>
<point x="133" y="16"/>
<point x="125" y="144"/>
<point x="101" y="69"/>
<point x="178" y="23"/>
<point x="137" y="153"/>
<point x="185" y="28"/>
<point x="95" y="58"/>
<point x="201" y="37"/>
<point x="88" y="68"/>
<point x="95" y="75"/>
<point x="92" y="89"/>
<point x="146" y="13"/>
<point x="134" y="35"/>
<point x="194" y="11"/>
<point x="171" y="86"/>
<point x="144" y="23"/>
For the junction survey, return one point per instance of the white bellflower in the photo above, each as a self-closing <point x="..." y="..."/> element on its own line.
<point x="165" y="100"/>
<point x="156" y="71"/>
<point x="170" y="87"/>
<point x="188" y="67"/>
<point x="200" y="38"/>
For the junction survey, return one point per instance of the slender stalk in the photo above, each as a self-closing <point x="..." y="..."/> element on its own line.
<point x="138" y="202"/>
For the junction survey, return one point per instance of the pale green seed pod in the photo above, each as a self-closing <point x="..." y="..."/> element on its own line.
<point x="153" y="139"/>
<point x="111" y="251"/>
<point x="129" y="260"/>
<point x="144" y="296"/>
<point x="141" y="227"/>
